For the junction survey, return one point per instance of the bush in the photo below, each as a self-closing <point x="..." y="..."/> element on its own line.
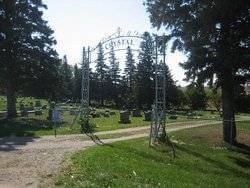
<point x="86" y="125"/>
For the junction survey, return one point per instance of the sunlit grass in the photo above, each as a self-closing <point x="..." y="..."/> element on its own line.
<point x="202" y="161"/>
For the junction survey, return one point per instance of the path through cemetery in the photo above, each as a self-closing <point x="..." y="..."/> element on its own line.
<point x="31" y="162"/>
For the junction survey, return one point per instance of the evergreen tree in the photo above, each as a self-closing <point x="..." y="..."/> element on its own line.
<point x="102" y="75"/>
<point x="114" y="70"/>
<point x="173" y="95"/>
<point x="216" y="35"/>
<point x="145" y="73"/>
<point x="130" y="68"/>
<point x="114" y="77"/>
<point x="196" y="97"/>
<point x="130" y="77"/>
<point x="67" y="78"/>
<point x="77" y="83"/>
<point x="25" y="46"/>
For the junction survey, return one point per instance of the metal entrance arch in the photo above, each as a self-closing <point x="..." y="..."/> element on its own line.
<point x="126" y="39"/>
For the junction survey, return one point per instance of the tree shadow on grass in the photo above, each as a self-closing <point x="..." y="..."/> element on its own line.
<point x="244" y="163"/>
<point x="242" y="148"/>
<point x="226" y="169"/>
<point x="23" y="127"/>
<point x="143" y="154"/>
<point x="18" y="132"/>
<point x="214" y="162"/>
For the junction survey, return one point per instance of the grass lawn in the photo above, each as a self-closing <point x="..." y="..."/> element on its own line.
<point x="24" y="100"/>
<point x="202" y="161"/>
<point x="39" y="125"/>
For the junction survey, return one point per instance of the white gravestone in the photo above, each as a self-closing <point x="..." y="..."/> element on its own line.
<point x="56" y="115"/>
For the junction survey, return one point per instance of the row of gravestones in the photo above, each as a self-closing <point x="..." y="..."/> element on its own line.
<point x="190" y="115"/>
<point x="93" y="113"/>
<point x="25" y="109"/>
<point x="125" y="115"/>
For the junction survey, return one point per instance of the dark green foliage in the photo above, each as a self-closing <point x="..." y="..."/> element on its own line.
<point x="66" y="79"/>
<point x="77" y="83"/>
<point x="130" y="80"/>
<point x="215" y="34"/>
<point x="196" y="97"/>
<point x="26" y="53"/>
<point x="242" y="101"/>
<point x="113" y="77"/>
<point x="101" y="75"/>
<point x="86" y="125"/>
<point x="145" y="74"/>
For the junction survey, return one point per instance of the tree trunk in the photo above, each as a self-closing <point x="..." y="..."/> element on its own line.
<point x="229" y="126"/>
<point x="11" y="100"/>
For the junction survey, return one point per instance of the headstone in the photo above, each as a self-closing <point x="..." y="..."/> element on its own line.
<point x="136" y="113"/>
<point x="23" y="110"/>
<point x="173" y="117"/>
<point x="124" y="117"/>
<point x="95" y="114"/>
<point x="148" y="115"/>
<point x="38" y="112"/>
<point x="106" y="114"/>
<point x="24" y="113"/>
<point x="31" y="107"/>
<point x="56" y="115"/>
<point x="73" y="112"/>
<point x="112" y="113"/>
<point x="44" y="107"/>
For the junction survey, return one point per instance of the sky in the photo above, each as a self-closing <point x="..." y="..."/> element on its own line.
<point x="79" y="23"/>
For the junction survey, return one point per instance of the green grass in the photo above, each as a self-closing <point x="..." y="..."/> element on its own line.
<point x="24" y="100"/>
<point x="38" y="125"/>
<point x="202" y="161"/>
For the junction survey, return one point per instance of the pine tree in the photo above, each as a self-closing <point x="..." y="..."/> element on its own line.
<point x="130" y="68"/>
<point x="114" y="77"/>
<point x="173" y="97"/>
<point x="114" y="70"/>
<point x="216" y="35"/>
<point x="145" y="73"/>
<point x="67" y="78"/>
<point x="196" y="96"/>
<point x="77" y="83"/>
<point x="130" y="77"/>
<point x="102" y="75"/>
<point x="25" y="46"/>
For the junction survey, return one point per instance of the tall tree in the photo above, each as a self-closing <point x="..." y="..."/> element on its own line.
<point x="114" y="76"/>
<point x="173" y="95"/>
<point x="101" y="74"/>
<point x="130" y="68"/>
<point x="77" y="83"/>
<point x="26" y="45"/>
<point x="67" y="78"/>
<point x="196" y="96"/>
<point x="145" y="73"/>
<point x="114" y="70"/>
<point x="215" y="33"/>
<point x="130" y="78"/>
